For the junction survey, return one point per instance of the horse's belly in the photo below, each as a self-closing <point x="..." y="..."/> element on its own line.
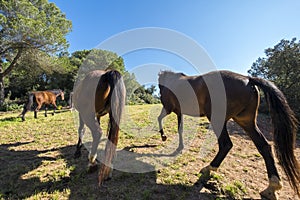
<point x="192" y="110"/>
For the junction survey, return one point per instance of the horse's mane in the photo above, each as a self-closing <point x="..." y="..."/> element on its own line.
<point x="168" y="76"/>
<point x="55" y="91"/>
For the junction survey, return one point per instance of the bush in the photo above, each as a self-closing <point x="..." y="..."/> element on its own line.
<point x="10" y="106"/>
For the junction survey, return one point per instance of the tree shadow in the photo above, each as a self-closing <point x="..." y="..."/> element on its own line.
<point x="17" y="181"/>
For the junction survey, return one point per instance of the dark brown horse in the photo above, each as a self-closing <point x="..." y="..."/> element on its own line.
<point x="235" y="97"/>
<point x="42" y="97"/>
<point x="98" y="94"/>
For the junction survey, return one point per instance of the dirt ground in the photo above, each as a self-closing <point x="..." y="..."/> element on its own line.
<point x="242" y="175"/>
<point x="245" y="164"/>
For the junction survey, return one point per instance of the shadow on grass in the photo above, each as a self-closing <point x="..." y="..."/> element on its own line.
<point x="10" y="119"/>
<point x="17" y="116"/>
<point x="17" y="181"/>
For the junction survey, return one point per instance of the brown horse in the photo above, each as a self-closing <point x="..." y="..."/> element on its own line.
<point x="42" y="97"/>
<point x="99" y="93"/>
<point x="239" y="95"/>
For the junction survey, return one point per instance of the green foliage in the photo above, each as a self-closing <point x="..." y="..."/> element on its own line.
<point x="32" y="24"/>
<point x="61" y="72"/>
<point x="88" y="60"/>
<point x="143" y="95"/>
<point x="50" y="73"/>
<point x="26" y="28"/>
<point x="281" y="66"/>
<point x="9" y="105"/>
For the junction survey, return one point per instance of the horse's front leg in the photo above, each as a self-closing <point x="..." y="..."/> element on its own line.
<point x="37" y="110"/>
<point x="55" y="107"/>
<point x="225" y="145"/>
<point x="163" y="113"/>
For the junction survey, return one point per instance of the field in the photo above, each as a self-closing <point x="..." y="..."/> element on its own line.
<point x="37" y="160"/>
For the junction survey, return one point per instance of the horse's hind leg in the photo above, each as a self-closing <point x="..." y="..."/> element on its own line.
<point x="94" y="126"/>
<point x="55" y="107"/>
<point x="265" y="150"/>
<point x="24" y="112"/>
<point x="163" y="114"/>
<point x="180" y="131"/>
<point x="46" y="109"/>
<point x="81" y="131"/>
<point x="225" y="145"/>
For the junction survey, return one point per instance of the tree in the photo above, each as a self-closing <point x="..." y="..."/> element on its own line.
<point x="27" y="26"/>
<point x="281" y="66"/>
<point x="88" y="60"/>
<point x="143" y="95"/>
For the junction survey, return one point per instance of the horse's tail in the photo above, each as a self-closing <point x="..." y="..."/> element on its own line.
<point x="117" y="102"/>
<point x="285" y="130"/>
<point x="27" y="106"/>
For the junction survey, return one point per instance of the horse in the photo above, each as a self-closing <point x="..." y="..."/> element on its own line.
<point x="241" y="100"/>
<point x="42" y="97"/>
<point x="100" y="93"/>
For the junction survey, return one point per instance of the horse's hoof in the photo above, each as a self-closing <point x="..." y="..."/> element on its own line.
<point x="205" y="173"/>
<point x="92" y="168"/>
<point x="163" y="138"/>
<point x="274" y="184"/>
<point x="269" y="194"/>
<point x="105" y="174"/>
<point x="77" y="154"/>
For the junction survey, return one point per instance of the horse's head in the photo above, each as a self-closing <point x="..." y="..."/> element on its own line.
<point x="165" y="77"/>
<point x="62" y="94"/>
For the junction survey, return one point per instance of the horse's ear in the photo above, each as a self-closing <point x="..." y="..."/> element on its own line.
<point x="160" y="73"/>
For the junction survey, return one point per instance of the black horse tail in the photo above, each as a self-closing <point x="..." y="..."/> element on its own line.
<point x="285" y="129"/>
<point x="27" y="106"/>
<point x="117" y="103"/>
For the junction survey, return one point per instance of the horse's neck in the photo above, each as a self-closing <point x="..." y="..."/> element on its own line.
<point x="56" y="92"/>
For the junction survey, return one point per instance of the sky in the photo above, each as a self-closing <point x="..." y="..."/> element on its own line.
<point x="233" y="33"/>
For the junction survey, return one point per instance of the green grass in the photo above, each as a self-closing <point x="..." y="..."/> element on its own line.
<point x="235" y="190"/>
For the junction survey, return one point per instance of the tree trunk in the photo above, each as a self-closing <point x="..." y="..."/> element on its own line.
<point x="1" y="91"/>
<point x="1" y="84"/>
<point x="6" y="72"/>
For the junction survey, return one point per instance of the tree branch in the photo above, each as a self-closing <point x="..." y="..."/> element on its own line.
<point x="12" y="64"/>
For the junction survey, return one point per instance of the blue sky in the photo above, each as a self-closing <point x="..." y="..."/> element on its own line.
<point x="233" y="33"/>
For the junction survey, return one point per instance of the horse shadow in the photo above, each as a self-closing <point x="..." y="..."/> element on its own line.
<point x="18" y="182"/>
<point x="17" y="117"/>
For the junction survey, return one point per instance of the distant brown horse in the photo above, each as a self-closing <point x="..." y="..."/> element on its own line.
<point x="98" y="94"/>
<point x="42" y="97"/>
<point x="241" y="99"/>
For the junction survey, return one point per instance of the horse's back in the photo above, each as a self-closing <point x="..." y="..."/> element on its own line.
<point x="240" y="93"/>
<point x="191" y="95"/>
<point x="40" y="97"/>
<point x="84" y="92"/>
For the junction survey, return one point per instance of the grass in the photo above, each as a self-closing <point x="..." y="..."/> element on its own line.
<point x="37" y="159"/>
<point x="235" y="190"/>
<point x="38" y="163"/>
